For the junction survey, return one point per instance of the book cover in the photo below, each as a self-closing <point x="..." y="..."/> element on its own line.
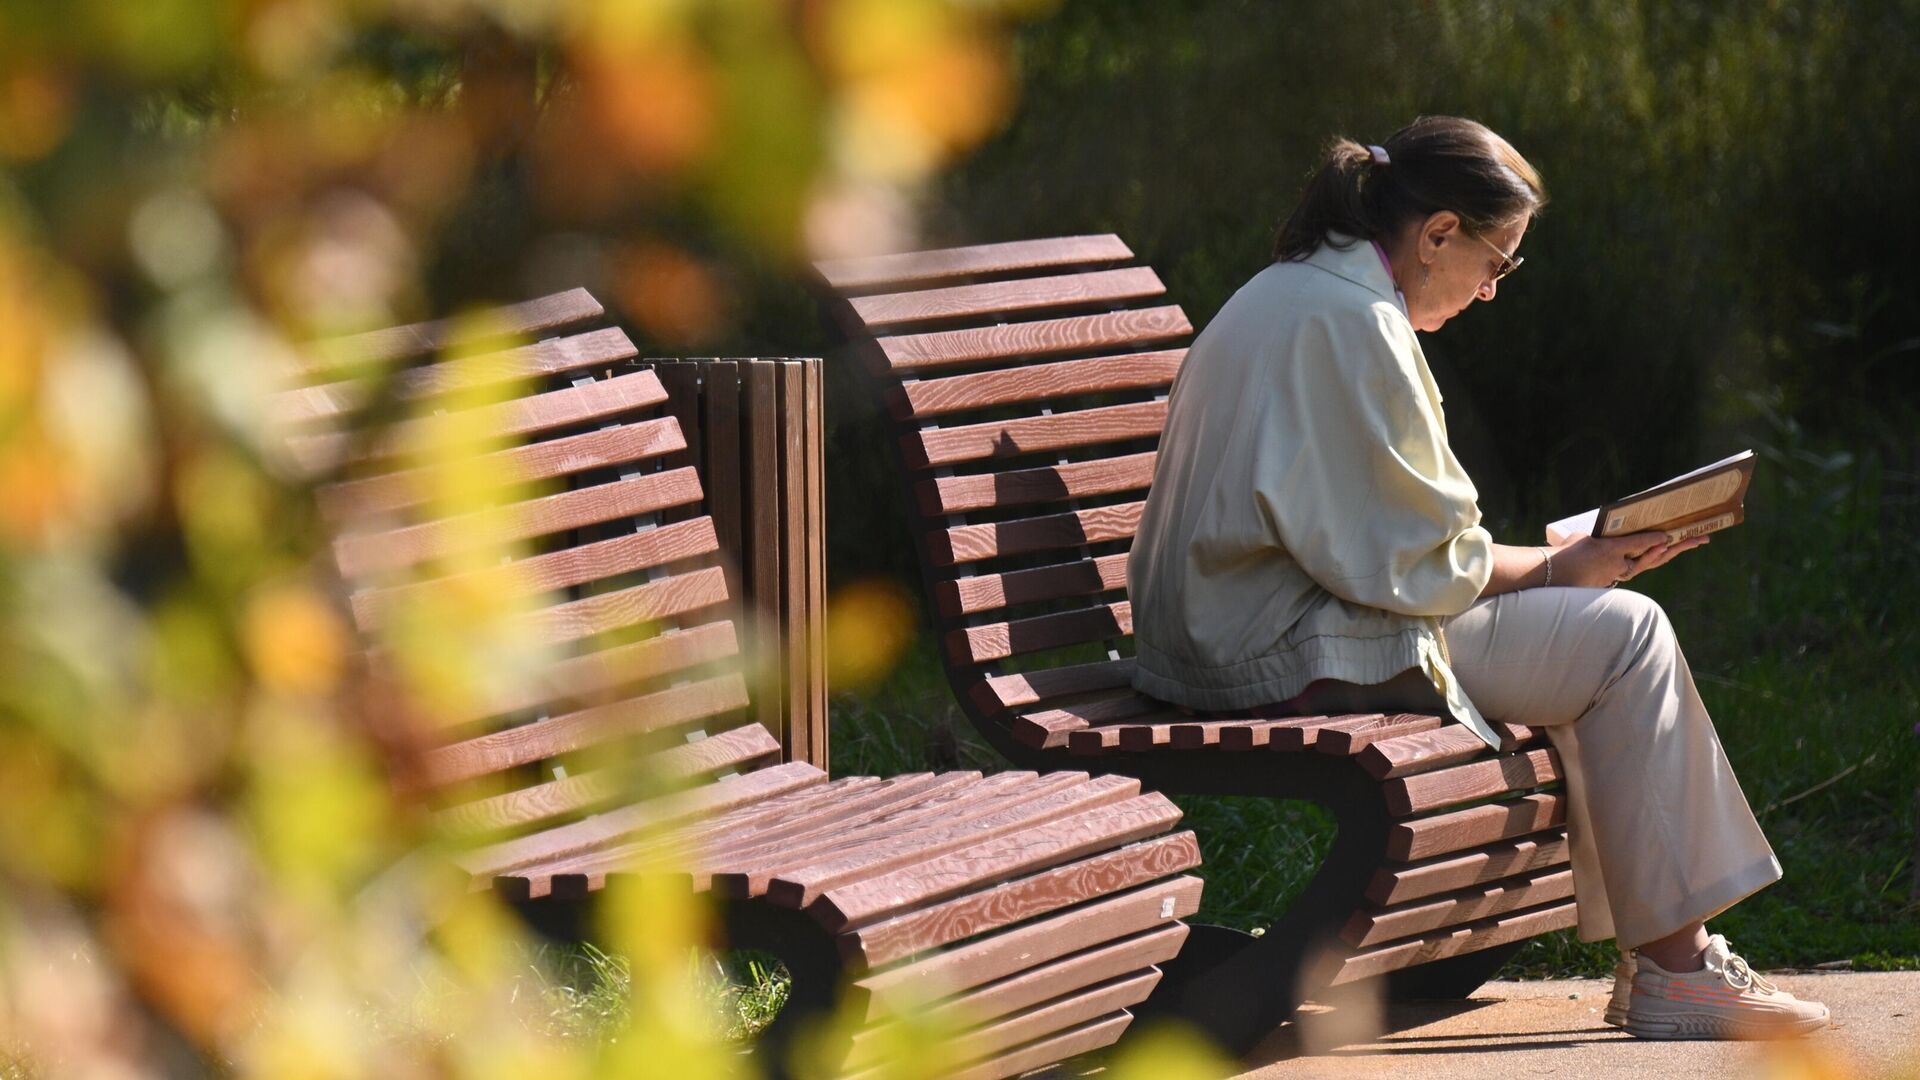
<point x="1706" y="500"/>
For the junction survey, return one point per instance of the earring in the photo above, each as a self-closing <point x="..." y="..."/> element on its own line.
<point x="1426" y="275"/>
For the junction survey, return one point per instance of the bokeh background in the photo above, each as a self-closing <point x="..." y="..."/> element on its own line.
<point x="197" y="846"/>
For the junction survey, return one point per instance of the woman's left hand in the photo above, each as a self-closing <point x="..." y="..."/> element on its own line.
<point x="1660" y="555"/>
<point x="1600" y="561"/>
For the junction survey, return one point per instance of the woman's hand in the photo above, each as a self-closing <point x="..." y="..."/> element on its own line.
<point x="1597" y="562"/>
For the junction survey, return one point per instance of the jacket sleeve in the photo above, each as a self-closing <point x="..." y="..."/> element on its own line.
<point x="1370" y="500"/>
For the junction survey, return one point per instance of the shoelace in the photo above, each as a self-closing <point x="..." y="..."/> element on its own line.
<point x="1741" y="977"/>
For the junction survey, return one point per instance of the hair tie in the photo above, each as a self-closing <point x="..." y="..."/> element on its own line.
<point x="1379" y="155"/>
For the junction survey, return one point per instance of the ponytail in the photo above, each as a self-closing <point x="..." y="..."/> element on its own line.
<point x="1335" y="202"/>
<point x="1435" y="163"/>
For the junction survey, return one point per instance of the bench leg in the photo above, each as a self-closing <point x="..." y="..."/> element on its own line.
<point x="1237" y="988"/>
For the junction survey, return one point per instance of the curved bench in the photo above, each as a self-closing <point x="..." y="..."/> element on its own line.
<point x="1030" y="909"/>
<point x="1027" y="386"/>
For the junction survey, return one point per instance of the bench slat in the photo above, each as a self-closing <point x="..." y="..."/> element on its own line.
<point x="1199" y="734"/>
<point x="903" y="935"/>
<point x="747" y="862"/>
<point x="1348" y="739"/>
<point x="927" y="817"/>
<point x="733" y="850"/>
<point x="1050" y="727"/>
<point x="1368" y="928"/>
<point x="1150" y="732"/>
<point x="1023" y="536"/>
<point x="1034" y="434"/>
<point x="1475" y="780"/>
<point x="1047" y="684"/>
<point x="593" y="674"/>
<point x="1301" y="732"/>
<point x="419" y="339"/>
<point x="1024" y="487"/>
<point x="1133" y="952"/>
<point x="520" y="417"/>
<point x="919" y="267"/>
<point x="1461" y="829"/>
<point x="526" y="805"/>
<point x="553" y="570"/>
<point x="363" y="554"/>
<point x="1435" y="749"/>
<point x="564" y="734"/>
<point x="1059" y="839"/>
<point x="598" y="863"/>
<point x="1090" y="1036"/>
<point x="604" y="829"/>
<point x="1009" y="1035"/>
<point x="554" y="356"/>
<point x="1035" y="942"/>
<point x="986" y="592"/>
<point x="998" y="298"/>
<point x="997" y="641"/>
<point x="1037" y="382"/>
<point x="632" y="606"/>
<point x="533" y="462"/>
<point x="1045" y="337"/>
<point x="1504" y="859"/>
<point x="801" y="886"/>
<point x="1485" y="934"/>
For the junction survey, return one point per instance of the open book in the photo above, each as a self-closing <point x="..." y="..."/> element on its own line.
<point x="1705" y="500"/>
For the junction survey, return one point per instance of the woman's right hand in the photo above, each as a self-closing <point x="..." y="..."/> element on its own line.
<point x="1599" y="561"/>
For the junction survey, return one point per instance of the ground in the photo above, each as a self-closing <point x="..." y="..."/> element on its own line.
<point x="1553" y="1028"/>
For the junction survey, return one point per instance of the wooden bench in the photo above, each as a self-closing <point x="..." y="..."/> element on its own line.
<point x="1027" y="383"/>
<point x="1031" y="908"/>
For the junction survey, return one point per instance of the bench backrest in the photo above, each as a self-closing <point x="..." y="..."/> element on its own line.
<point x="621" y="622"/>
<point x="1028" y="381"/>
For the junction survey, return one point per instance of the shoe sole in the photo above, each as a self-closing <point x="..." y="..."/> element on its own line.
<point x="1716" y="1026"/>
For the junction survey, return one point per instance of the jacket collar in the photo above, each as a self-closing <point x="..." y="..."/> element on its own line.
<point x="1359" y="263"/>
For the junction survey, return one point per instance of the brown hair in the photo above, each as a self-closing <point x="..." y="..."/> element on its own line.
<point x="1435" y="163"/>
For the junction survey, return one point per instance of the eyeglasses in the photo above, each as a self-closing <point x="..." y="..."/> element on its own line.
<point x="1508" y="263"/>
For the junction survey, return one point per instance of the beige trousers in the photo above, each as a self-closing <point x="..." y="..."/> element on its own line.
<point x="1660" y="832"/>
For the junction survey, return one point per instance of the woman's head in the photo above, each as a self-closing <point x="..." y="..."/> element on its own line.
<point x="1440" y="195"/>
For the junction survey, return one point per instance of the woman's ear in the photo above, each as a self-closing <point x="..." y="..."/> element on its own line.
<point x="1441" y="227"/>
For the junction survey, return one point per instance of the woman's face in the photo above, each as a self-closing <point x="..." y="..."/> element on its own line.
<point x="1459" y="267"/>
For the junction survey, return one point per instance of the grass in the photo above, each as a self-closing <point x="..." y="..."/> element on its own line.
<point x="583" y="993"/>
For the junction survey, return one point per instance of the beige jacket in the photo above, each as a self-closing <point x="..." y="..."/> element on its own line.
<point x="1307" y="519"/>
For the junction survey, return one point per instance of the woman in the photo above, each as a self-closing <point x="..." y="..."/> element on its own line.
<point x="1311" y="545"/>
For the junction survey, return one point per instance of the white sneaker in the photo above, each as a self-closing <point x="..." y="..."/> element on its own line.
<point x="1724" y="1000"/>
<point x="1616" y="1014"/>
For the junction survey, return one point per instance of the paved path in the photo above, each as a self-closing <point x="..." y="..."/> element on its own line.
<point x="1510" y="1030"/>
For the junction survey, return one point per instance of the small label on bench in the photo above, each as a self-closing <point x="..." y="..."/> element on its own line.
<point x="1166" y="907"/>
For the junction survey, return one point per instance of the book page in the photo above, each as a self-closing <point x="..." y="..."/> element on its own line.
<point x="1572" y="528"/>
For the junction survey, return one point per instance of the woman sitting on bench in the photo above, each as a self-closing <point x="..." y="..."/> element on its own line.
<point x="1311" y="545"/>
